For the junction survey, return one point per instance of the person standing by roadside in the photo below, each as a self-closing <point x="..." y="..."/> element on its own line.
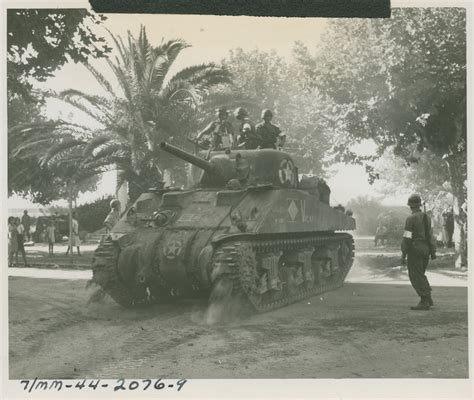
<point x="416" y="251"/>
<point x="51" y="235"/>
<point x="21" y="241"/>
<point x="448" y="226"/>
<point x="26" y="221"/>
<point x="75" y="240"/>
<point x="12" y="241"/>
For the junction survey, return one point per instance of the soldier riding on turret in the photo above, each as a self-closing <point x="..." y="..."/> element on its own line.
<point x="268" y="135"/>
<point x="246" y="138"/>
<point x="220" y="130"/>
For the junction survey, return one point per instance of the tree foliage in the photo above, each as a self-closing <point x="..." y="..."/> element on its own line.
<point x="428" y="176"/>
<point x="263" y="79"/>
<point x="366" y="209"/>
<point x="91" y="216"/>
<point x="30" y="137"/>
<point x="46" y="161"/>
<point x="39" y="41"/>
<point x="400" y="82"/>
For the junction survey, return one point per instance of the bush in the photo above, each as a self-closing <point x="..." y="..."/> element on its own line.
<point x="369" y="211"/>
<point x="91" y="216"/>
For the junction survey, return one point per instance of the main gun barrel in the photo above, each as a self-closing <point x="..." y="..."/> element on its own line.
<point x="184" y="155"/>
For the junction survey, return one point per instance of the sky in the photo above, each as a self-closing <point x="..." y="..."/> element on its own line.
<point x="211" y="37"/>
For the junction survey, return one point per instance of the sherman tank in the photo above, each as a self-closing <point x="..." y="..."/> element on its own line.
<point x="247" y="224"/>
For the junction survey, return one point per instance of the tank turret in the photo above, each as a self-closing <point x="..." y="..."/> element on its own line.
<point x="249" y="167"/>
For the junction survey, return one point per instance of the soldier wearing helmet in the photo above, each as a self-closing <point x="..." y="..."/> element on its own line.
<point x="221" y="132"/>
<point x="269" y="135"/>
<point x="416" y="250"/>
<point x="113" y="216"/>
<point x="246" y="136"/>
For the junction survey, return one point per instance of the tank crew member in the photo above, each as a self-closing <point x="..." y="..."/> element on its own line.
<point x="416" y="250"/>
<point x="269" y="135"/>
<point x="113" y="216"/>
<point x="220" y="130"/>
<point x="246" y="138"/>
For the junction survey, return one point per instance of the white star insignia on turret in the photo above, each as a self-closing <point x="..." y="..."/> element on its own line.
<point x="286" y="172"/>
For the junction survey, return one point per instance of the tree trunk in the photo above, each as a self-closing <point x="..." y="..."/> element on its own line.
<point x="457" y="170"/>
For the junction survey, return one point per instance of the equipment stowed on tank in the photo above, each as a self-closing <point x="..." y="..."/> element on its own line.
<point x="248" y="224"/>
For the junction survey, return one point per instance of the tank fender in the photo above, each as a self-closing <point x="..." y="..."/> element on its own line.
<point x="127" y="265"/>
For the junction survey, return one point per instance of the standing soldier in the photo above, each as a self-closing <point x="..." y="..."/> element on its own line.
<point x="221" y="131"/>
<point x="246" y="137"/>
<point x="416" y="250"/>
<point x="26" y="222"/>
<point x="269" y="135"/>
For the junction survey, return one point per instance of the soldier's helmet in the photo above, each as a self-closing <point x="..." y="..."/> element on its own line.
<point x="240" y="113"/>
<point x="414" y="200"/>
<point x="267" y="113"/>
<point x="222" y="112"/>
<point x="114" y="204"/>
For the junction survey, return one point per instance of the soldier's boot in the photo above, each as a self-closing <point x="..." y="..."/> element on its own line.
<point x="430" y="300"/>
<point x="423" y="305"/>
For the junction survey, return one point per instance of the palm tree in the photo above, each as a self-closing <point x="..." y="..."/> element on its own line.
<point x="149" y="105"/>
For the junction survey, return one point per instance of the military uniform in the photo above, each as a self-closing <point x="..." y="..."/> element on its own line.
<point x="416" y="249"/>
<point x="247" y="138"/>
<point x="267" y="135"/>
<point x="221" y="132"/>
<point x="415" y="246"/>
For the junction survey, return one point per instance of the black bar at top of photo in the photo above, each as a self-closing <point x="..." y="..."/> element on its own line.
<point x="258" y="8"/>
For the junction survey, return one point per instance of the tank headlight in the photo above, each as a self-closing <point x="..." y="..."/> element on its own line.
<point x="162" y="218"/>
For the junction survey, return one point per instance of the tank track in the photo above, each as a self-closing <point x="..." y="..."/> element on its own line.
<point x="235" y="263"/>
<point x="104" y="269"/>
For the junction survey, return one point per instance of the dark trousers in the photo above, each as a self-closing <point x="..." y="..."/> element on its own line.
<point x="417" y="261"/>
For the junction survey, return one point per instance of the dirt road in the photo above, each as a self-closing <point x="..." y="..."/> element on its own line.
<point x="363" y="330"/>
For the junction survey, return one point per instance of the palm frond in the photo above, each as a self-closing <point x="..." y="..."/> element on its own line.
<point x="97" y="101"/>
<point x="94" y="143"/>
<point x="122" y="78"/>
<point x="178" y="90"/>
<point x="110" y="152"/>
<point x="196" y="71"/>
<point x="59" y="149"/>
<point x="101" y="79"/>
<point x="34" y="127"/>
<point x="164" y="56"/>
<point x="172" y="48"/>
<point x="34" y="144"/>
<point x="76" y="101"/>
<point x="119" y="45"/>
